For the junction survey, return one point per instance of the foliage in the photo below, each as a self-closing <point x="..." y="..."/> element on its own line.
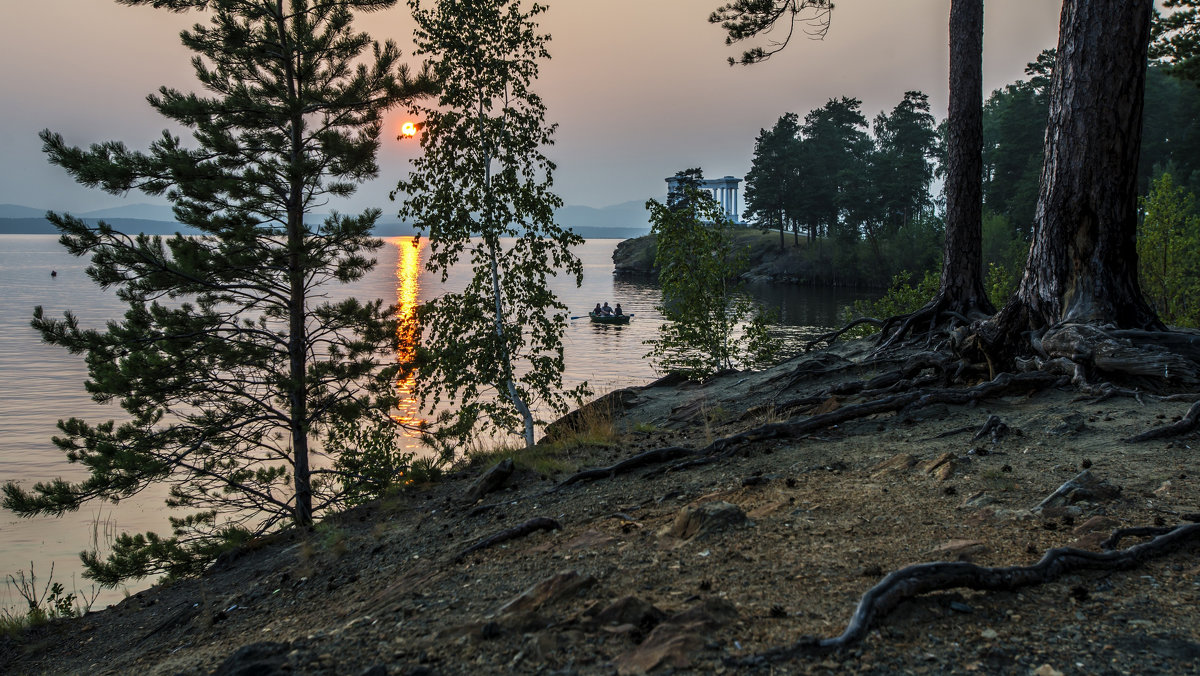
<point x="368" y="459"/>
<point x="1167" y="252"/>
<point x="709" y="324"/>
<point x="1175" y="39"/>
<point x="770" y="184"/>
<point x="902" y="297"/>
<point x="902" y="165"/>
<point x="1000" y="281"/>
<point x="746" y="19"/>
<point x="1014" y="124"/>
<point x="481" y="190"/>
<point x="44" y="603"/>
<point x="229" y="358"/>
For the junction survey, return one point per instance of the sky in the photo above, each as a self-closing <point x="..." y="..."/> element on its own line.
<point x="639" y="88"/>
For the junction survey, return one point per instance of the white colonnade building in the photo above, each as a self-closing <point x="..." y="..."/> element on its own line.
<point x="724" y="190"/>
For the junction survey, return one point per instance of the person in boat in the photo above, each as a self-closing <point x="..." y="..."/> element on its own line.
<point x="598" y="311"/>
<point x="617" y="310"/>
<point x="606" y="310"/>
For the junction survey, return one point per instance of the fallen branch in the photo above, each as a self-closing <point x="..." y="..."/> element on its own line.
<point x="923" y="578"/>
<point x="1187" y="424"/>
<point x="531" y="526"/>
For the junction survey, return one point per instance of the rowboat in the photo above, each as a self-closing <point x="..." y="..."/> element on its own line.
<point x="609" y="319"/>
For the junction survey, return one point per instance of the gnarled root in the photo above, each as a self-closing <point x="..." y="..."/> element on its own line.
<point x="1189" y="422"/>
<point x="923" y="578"/>
<point x="521" y="530"/>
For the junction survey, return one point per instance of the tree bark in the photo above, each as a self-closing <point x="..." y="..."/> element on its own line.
<point x="961" y="293"/>
<point x="297" y="384"/>
<point x="1082" y="266"/>
<point x="962" y="288"/>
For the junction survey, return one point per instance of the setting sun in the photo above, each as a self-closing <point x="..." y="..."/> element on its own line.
<point x="408" y="129"/>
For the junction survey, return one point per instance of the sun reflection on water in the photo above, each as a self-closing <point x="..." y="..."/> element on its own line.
<point x="408" y="286"/>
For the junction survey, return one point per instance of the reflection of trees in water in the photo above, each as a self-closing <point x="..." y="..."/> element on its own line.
<point x="812" y="310"/>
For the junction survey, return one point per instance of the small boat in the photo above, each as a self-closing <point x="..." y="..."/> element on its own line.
<point x="609" y="319"/>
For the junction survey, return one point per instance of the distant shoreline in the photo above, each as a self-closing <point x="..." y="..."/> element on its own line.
<point x="40" y="226"/>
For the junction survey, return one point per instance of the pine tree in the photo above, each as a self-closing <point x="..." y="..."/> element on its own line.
<point x="229" y="362"/>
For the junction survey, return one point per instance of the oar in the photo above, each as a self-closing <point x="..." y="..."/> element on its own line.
<point x="579" y="317"/>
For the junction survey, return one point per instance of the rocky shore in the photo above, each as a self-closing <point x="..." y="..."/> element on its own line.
<point x="668" y="559"/>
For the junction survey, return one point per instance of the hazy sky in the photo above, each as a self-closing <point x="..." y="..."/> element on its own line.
<point x="640" y="88"/>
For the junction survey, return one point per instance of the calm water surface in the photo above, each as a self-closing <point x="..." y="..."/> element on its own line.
<point x="40" y="384"/>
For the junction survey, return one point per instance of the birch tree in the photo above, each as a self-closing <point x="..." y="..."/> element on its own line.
<point x="481" y="191"/>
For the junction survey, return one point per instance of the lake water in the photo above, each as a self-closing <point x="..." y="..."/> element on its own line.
<point x="40" y="384"/>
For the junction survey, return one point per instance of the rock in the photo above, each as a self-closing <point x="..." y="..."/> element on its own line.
<point x="590" y="539"/>
<point x="602" y="409"/>
<point x="257" y="659"/>
<point x="980" y="499"/>
<point x="1164" y="490"/>
<point x="1096" y="524"/>
<point x="957" y="550"/>
<point x="1084" y="486"/>
<point x="629" y="610"/>
<point x="1072" y="423"/>
<point x="673" y="642"/>
<point x="710" y="517"/>
<point x="1047" y="670"/>
<point x="491" y="480"/>
<point x="549" y="590"/>
<point x="989" y="634"/>
<point x="893" y="465"/>
<point x="1089" y="541"/>
<point x="930" y="466"/>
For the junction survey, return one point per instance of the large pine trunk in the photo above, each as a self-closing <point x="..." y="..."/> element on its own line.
<point x="1082" y="266"/>
<point x="962" y="288"/>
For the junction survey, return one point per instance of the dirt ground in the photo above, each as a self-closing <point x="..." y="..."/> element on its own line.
<point x="694" y="569"/>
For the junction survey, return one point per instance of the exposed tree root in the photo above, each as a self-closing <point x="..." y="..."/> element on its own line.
<point x="1005" y="383"/>
<point x="834" y="335"/>
<point x="923" y="578"/>
<point x="651" y="457"/>
<point x="1189" y="422"/>
<point x="521" y="530"/>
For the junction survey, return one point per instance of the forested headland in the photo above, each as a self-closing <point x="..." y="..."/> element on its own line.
<point x="839" y="199"/>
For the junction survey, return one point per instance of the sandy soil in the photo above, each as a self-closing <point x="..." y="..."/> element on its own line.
<point x="697" y="568"/>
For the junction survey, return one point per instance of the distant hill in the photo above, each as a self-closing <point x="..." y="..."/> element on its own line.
<point x="620" y="221"/>
<point x="40" y="226"/>
<point x="148" y="212"/>
<point x="628" y="218"/>
<point x="18" y="211"/>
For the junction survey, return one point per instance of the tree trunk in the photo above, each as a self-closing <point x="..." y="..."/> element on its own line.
<point x="297" y="384"/>
<point x="962" y="288"/>
<point x="1082" y="266"/>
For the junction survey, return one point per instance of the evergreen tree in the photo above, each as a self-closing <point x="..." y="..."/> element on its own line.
<point x="710" y="325"/>
<point x="481" y="190"/>
<point x="228" y="361"/>
<point x="1167" y="244"/>
<point x="836" y="148"/>
<point x="1082" y="266"/>
<point x="773" y="173"/>
<point x="899" y="171"/>
<point x="1176" y="38"/>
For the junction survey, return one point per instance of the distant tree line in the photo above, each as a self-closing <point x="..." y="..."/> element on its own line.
<point x="867" y="189"/>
